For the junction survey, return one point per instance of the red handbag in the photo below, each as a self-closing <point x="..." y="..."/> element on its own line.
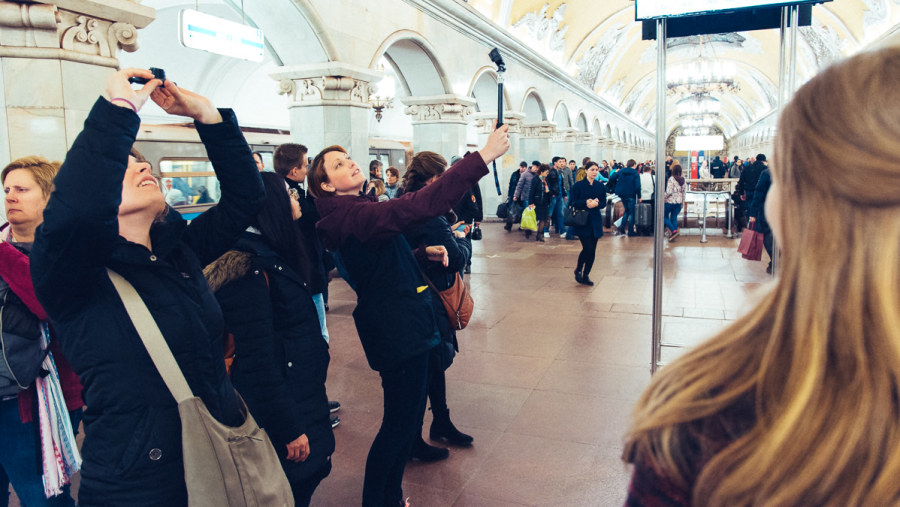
<point x="751" y="245"/>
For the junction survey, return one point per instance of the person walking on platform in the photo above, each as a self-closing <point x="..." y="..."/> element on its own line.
<point x="675" y="192"/>
<point x="540" y="200"/>
<point x="758" y="214"/>
<point x="795" y="403"/>
<point x="588" y="195"/>
<point x="107" y="211"/>
<point x="268" y="308"/>
<point x="379" y="264"/>
<point x="27" y="438"/>
<point x="511" y="204"/>
<point x="523" y="188"/>
<point x="626" y="183"/>
<point x="746" y="185"/>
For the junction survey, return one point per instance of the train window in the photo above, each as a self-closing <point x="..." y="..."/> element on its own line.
<point x="187" y="182"/>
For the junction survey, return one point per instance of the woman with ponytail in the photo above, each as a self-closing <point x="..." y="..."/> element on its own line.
<point x="797" y="402"/>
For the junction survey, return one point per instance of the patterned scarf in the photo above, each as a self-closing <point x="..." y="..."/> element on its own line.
<point x="59" y="455"/>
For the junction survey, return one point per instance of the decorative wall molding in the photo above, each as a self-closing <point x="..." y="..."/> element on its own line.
<point x="329" y="83"/>
<point x="565" y="135"/>
<point x="823" y="43"/>
<point x="536" y="26"/>
<point x="485" y="122"/>
<point x="594" y="63"/>
<point x="439" y="109"/>
<point x="540" y="130"/>
<point x="47" y="32"/>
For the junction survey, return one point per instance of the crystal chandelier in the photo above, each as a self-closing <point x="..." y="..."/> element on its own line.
<point x="698" y="121"/>
<point x="702" y="76"/>
<point x="698" y="105"/>
<point x="697" y="131"/>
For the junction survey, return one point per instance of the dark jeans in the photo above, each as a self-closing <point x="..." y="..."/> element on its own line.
<point x="303" y="490"/>
<point x="404" y="406"/>
<point x="556" y="213"/>
<point x="628" y="220"/>
<point x="767" y="244"/>
<point x="671" y="215"/>
<point x="20" y="459"/>
<point x="587" y="254"/>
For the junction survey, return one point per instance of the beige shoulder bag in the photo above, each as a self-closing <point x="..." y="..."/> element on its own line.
<point x="223" y="466"/>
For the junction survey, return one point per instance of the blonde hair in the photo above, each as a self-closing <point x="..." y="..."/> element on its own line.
<point x="818" y="360"/>
<point x="42" y="170"/>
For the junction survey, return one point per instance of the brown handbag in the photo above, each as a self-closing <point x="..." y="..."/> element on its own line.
<point x="457" y="301"/>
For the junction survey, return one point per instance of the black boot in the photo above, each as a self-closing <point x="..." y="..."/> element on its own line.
<point x="427" y="453"/>
<point x="527" y="234"/>
<point x="578" y="275"/>
<point x="442" y="429"/>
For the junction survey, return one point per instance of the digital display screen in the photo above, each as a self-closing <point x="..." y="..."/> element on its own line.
<point x="699" y="143"/>
<point x="221" y="36"/>
<point x="653" y="9"/>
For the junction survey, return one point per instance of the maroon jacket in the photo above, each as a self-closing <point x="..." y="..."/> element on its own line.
<point x="376" y="259"/>
<point x="14" y="269"/>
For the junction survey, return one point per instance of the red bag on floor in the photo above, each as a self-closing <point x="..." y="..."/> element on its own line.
<point x="751" y="245"/>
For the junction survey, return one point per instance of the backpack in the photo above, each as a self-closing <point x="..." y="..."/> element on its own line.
<point x="21" y="350"/>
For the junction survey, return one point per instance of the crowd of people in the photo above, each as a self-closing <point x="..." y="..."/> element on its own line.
<point x="795" y="403"/>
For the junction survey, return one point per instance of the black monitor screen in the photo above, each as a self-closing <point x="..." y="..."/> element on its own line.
<point x="653" y="9"/>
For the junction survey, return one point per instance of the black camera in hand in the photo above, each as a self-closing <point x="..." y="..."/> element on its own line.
<point x="157" y="74"/>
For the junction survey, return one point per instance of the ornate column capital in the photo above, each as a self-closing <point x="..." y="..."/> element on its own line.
<point x="540" y="130"/>
<point x="565" y="135"/>
<point x="439" y="109"/>
<point x="485" y="121"/>
<point x="83" y="31"/>
<point x="585" y="138"/>
<point x="331" y="83"/>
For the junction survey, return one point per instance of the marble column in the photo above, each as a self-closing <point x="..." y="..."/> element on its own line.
<point x="507" y="164"/>
<point x="536" y="141"/>
<point x="328" y="105"/>
<point x="439" y="123"/>
<point x="584" y="147"/>
<point x="564" y="143"/>
<point x="55" y="58"/>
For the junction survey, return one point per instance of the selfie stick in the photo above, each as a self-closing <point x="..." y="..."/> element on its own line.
<point x="501" y="68"/>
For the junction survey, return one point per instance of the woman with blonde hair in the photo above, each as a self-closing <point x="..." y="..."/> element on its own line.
<point x="797" y="403"/>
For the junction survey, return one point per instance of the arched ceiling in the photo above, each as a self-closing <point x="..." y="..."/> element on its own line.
<point x="600" y="44"/>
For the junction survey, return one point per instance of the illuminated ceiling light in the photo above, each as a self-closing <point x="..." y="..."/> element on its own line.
<point x="699" y="104"/>
<point x="383" y="97"/>
<point x="701" y="131"/>
<point x="702" y="76"/>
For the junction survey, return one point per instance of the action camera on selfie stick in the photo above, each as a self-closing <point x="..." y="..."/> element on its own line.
<point x="501" y="68"/>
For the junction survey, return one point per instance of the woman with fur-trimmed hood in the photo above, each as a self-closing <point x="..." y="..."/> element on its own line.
<point x="280" y="358"/>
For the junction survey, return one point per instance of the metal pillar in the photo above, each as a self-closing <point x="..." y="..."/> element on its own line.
<point x="660" y="196"/>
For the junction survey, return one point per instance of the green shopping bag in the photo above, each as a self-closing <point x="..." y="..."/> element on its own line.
<point x="529" y="220"/>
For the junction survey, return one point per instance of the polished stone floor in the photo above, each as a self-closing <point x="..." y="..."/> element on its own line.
<point x="548" y="370"/>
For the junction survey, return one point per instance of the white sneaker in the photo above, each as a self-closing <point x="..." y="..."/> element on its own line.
<point x="546" y="234"/>
<point x="563" y="235"/>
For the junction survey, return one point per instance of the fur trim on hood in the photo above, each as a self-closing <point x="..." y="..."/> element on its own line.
<point x="232" y="265"/>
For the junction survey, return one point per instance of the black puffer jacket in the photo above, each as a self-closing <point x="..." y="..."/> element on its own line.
<point x="281" y="360"/>
<point x="132" y="444"/>
<point x="437" y="232"/>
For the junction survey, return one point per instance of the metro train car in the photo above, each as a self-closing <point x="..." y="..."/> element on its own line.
<point x="179" y="161"/>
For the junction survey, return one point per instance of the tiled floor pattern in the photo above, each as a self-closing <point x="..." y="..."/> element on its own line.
<point x="548" y="370"/>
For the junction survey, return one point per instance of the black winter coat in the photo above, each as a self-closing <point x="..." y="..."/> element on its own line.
<point x="437" y="232"/>
<point x="539" y="196"/>
<point x="469" y="208"/>
<point x="311" y="246"/>
<point x="747" y="183"/>
<point x="281" y="360"/>
<point x="367" y="238"/>
<point x="581" y="192"/>
<point x="132" y="444"/>
<point x="758" y="205"/>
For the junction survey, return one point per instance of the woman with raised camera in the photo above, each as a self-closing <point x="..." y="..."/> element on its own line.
<point x="367" y="239"/>
<point x="588" y="196"/>
<point x="796" y="403"/>
<point x="107" y="211"/>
